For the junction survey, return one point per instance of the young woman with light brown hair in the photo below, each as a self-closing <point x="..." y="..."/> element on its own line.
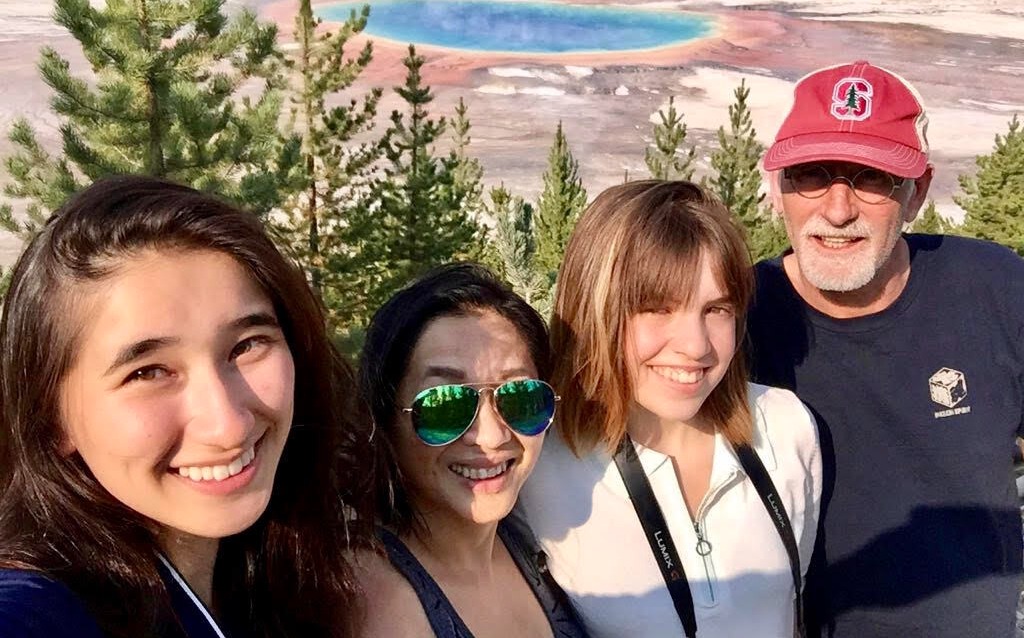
<point x="676" y="494"/>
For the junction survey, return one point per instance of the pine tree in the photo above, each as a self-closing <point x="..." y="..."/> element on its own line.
<point x="851" y="97"/>
<point x="323" y="175"/>
<point x="468" y="171"/>
<point x="468" y="175"/>
<point x="559" y="206"/>
<point x="767" y="238"/>
<point x="516" y="248"/>
<point x="931" y="222"/>
<point x="416" y="219"/>
<point x="5" y="283"/>
<point x="666" y="159"/>
<point x="994" y="197"/>
<point x="23" y="230"/>
<point x="736" y="179"/>
<point x="165" y="102"/>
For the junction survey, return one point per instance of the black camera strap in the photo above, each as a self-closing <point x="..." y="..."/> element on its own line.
<point x="656" y="529"/>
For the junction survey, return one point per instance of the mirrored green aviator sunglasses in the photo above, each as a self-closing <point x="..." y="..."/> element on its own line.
<point x="443" y="413"/>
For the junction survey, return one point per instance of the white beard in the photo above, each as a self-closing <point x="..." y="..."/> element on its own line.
<point x="847" y="272"/>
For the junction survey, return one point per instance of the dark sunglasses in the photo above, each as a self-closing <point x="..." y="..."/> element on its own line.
<point x="443" y="413"/>
<point x="870" y="185"/>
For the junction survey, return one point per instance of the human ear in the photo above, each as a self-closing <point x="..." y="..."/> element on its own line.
<point x="66" y="444"/>
<point x="775" y="190"/>
<point x="919" y="191"/>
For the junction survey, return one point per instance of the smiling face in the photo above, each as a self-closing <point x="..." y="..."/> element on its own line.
<point x="676" y="355"/>
<point x="842" y="243"/>
<point x="477" y="477"/>
<point x="180" y="396"/>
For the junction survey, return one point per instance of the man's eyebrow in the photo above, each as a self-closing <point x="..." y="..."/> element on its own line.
<point x="135" y="351"/>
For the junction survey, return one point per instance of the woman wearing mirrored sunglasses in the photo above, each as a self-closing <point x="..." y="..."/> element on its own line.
<point x="675" y="496"/>
<point x="453" y="370"/>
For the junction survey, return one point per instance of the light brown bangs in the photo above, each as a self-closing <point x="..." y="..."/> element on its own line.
<point x="638" y="247"/>
<point x="661" y="263"/>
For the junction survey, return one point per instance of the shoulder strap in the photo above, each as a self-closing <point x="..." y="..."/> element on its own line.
<point x="193" y="615"/>
<point x="762" y="482"/>
<point x="531" y="560"/>
<point x="444" y="620"/>
<point x="656" y="531"/>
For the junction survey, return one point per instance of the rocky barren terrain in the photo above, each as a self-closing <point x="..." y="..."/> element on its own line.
<point x="966" y="58"/>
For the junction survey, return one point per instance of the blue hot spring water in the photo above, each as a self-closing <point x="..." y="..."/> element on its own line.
<point x="523" y="27"/>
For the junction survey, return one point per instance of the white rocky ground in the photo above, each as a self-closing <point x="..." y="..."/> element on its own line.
<point x="1002" y="18"/>
<point x="966" y="57"/>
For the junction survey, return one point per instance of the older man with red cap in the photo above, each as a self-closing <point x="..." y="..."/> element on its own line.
<point x="909" y="349"/>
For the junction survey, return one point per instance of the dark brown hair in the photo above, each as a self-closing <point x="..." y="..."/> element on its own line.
<point x="639" y="245"/>
<point x="451" y="290"/>
<point x="287" y="575"/>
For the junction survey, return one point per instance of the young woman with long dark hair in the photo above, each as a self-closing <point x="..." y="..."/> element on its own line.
<point x="454" y="371"/>
<point x="178" y="447"/>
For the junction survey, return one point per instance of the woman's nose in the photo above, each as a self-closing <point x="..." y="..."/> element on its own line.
<point x="221" y="412"/>
<point x="488" y="430"/>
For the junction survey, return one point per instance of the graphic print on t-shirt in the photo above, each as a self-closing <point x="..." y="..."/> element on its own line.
<point x="948" y="388"/>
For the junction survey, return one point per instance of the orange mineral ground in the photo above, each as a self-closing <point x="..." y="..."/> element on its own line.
<point x="965" y="57"/>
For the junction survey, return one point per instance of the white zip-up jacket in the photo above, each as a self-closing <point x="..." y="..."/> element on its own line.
<point x="597" y="551"/>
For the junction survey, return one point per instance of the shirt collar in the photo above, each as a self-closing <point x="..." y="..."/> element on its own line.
<point x="725" y="461"/>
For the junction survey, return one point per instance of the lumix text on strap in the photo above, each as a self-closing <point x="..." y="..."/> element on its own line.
<point x="656" y="529"/>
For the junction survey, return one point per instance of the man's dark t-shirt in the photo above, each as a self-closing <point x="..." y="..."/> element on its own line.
<point x="917" y="407"/>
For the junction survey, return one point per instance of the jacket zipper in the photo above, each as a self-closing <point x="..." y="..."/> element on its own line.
<point x="703" y="546"/>
<point x="704" y="551"/>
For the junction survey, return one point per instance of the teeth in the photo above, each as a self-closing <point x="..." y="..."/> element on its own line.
<point x="477" y="474"/>
<point x="218" y="472"/>
<point x="837" y="242"/>
<point x="678" y="374"/>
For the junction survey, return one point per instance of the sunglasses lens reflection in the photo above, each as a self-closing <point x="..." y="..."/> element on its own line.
<point x="443" y="413"/>
<point x="527" y="405"/>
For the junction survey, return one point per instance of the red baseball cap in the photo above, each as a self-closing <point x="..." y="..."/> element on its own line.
<point x="857" y="113"/>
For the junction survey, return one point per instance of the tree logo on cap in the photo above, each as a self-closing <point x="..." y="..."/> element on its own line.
<point x="851" y="99"/>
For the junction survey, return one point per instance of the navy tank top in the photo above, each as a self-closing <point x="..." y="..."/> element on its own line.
<point x="445" y="621"/>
